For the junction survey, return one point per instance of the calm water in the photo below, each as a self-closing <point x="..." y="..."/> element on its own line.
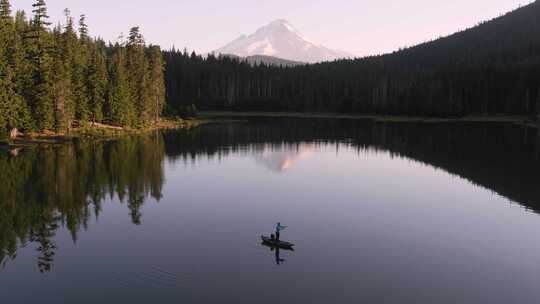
<point x="379" y="213"/>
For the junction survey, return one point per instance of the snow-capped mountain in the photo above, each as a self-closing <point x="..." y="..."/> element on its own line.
<point x="280" y="39"/>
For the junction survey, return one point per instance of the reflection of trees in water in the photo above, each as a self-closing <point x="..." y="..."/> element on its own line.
<point x="44" y="189"/>
<point x="502" y="157"/>
<point x="64" y="186"/>
<point x="43" y="236"/>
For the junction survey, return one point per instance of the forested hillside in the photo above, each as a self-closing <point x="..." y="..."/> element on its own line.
<point x="492" y="68"/>
<point x="56" y="78"/>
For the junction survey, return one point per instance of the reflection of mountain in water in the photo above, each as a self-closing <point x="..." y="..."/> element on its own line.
<point x="281" y="159"/>
<point x="504" y="158"/>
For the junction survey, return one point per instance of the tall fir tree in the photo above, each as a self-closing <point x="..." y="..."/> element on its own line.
<point x="83" y="28"/>
<point x="5" y="82"/>
<point x="40" y="23"/>
<point x="157" y="82"/>
<point x="63" y="103"/>
<point x="120" y="107"/>
<point x="43" y="99"/>
<point x="22" y="69"/>
<point x="5" y="10"/>
<point x="97" y="81"/>
<point x="79" y="74"/>
<point x="13" y="110"/>
<point x="137" y="65"/>
<point x="68" y="47"/>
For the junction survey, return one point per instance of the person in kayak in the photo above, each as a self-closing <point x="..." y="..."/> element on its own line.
<point x="278" y="230"/>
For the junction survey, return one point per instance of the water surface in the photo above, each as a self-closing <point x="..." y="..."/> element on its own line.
<point x="379" y="213"/>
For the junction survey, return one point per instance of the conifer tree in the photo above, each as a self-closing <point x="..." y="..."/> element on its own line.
<point x="79" y="71"/>
<point x="137" y="65"/>
<point x="40" y="22"/>
<point x="157" y="82"/>
<point x="83" y="28"/>
<point x="22" y="69"/>
<point x="22" y="66"/>
<point x="63" y="112"/>
<point x="5" y="10"/>
<point x="13" y="110"/>
<point x="13" y="113"/>
<point x="97" y="81"/>
<point x="43" y="94"/>
<point x="5" y="94"/>
<point x="67" y="45"/>
<point x="121" y="110"/>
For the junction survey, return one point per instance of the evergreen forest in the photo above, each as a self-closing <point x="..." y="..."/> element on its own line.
<point x="491" y="68"/>
<point x="56" y="78"/>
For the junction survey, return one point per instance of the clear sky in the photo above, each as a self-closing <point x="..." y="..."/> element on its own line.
<point x="361" y="27"/>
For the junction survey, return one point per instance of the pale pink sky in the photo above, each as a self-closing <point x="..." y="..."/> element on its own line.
<point x="361" y="27"/>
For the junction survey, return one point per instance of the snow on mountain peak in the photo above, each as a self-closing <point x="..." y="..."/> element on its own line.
<point x="280" y="39"/>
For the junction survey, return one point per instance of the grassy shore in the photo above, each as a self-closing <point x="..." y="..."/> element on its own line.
<point x="98" y="131"/>
<point x="376" y="118"/>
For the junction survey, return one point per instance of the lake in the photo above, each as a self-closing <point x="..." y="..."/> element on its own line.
<point x="378" y="212"/>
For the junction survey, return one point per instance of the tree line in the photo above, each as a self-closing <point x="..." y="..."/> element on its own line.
<point x="491" y="68"/>
<point x="58" y="78"/>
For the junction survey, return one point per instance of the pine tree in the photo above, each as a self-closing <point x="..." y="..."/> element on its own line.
<point x="20" y="54"/>
<point x="40" y="22"/>
<point x="120" y="107"/>
<point x="79" y="73"/>
<point x="5" y="98"/>
<point x="137" y="65"/>
<point x="13" y="112"/>
<point x="5" y="10"/>
<point x="63" y="114"/>
<point x="83" y="28"/>
<point x="44" y="107"/>
<point x="22" y="69"/>
<point x="5" y="94"/>
<point x="67" y="45"/>
<point x="157" y="82"/>
<point x="43" y="98"/>
<point x="97" y="81"/>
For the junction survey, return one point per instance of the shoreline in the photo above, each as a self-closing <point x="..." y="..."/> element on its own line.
<point x="524" y="120"/>
<point x="108" y="132"/>
<point x="96" y="131"/>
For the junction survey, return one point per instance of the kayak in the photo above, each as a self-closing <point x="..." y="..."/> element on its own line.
<point x="275" y="243"/>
